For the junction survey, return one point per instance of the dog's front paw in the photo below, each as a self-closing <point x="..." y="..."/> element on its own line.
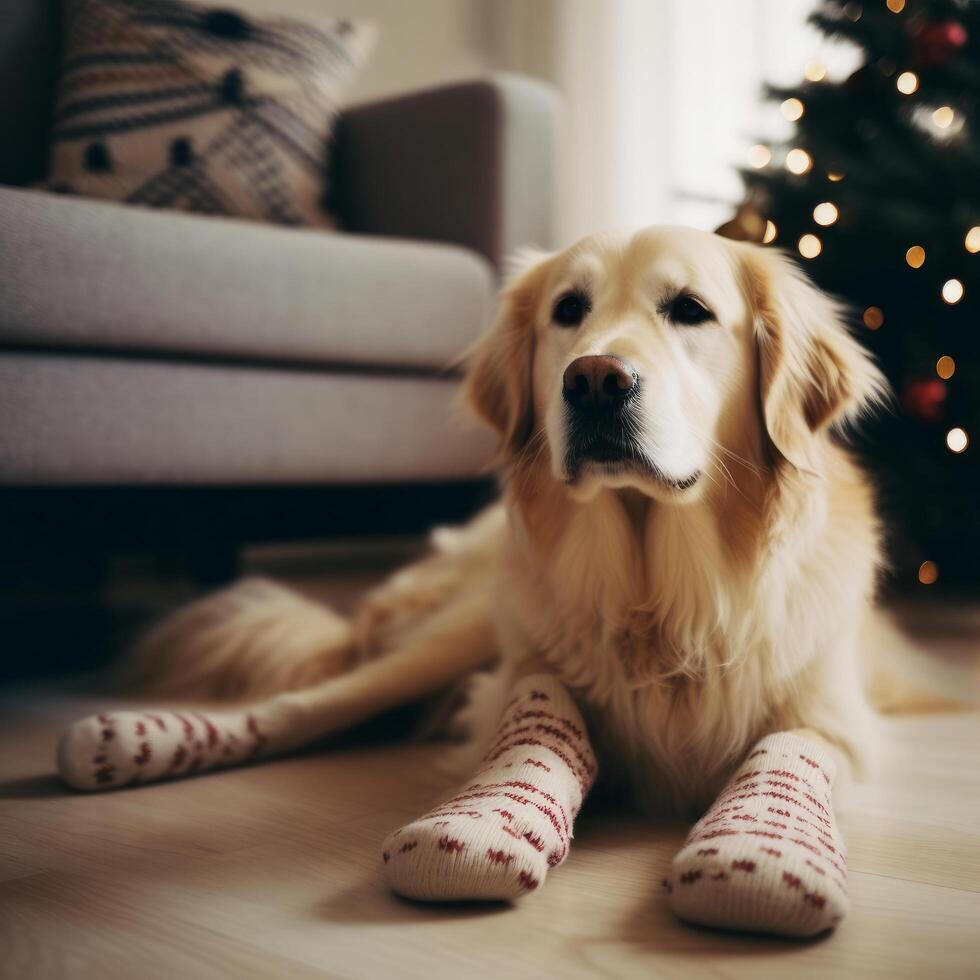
<point x="478" y="854"/>
<point x="499" y="836"/>
<point x="767" y="857"/>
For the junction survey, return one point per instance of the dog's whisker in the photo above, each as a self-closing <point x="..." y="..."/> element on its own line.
<point x="747" y="463"/>
<point x="538" y="443"/>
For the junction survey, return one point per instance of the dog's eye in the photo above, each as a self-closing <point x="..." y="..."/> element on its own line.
<point x="570" y="310"/>
<point x="686" y="309"/>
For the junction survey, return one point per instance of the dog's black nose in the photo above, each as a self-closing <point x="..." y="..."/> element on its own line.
<point x="598" y="381"/>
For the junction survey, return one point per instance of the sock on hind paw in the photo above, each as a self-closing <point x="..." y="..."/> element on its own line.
<point x="767" y="856"/>
<point x="500" y="835"/>
<point x="123" y="748"/>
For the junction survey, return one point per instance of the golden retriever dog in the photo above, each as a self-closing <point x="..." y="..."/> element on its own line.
<point x="675" y="592"/>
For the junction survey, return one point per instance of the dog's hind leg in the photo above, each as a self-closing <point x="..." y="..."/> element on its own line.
<point x="460" y="557"/>
<point x="126" y="747"/>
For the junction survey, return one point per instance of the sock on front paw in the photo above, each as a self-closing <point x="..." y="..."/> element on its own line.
<point x="123" y="748"/>
<point x="498" y="837"/>
<point x="767" y="856"/>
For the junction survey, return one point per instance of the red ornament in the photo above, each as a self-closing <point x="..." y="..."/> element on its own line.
<point x="936" y="43"/>
<point x="924" y="398"/>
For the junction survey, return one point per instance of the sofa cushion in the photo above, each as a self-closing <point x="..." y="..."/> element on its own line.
<point x="85" y="420"/>
<point x="198" y="108"/>
<point x="84" y="274"/>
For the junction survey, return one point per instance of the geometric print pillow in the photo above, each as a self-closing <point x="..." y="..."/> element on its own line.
<point x="176" y="105"/>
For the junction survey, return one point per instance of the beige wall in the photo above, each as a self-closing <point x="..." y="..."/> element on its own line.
<point x="422" y="42"/>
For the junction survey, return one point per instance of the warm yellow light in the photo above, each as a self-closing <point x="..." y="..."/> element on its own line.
<point x="928" y="573"/>
<point x="972" y="240"/>
<point x="957" y="440"/>
<point x="915" y="256"/>
<point x="798" y="161"/>
<point x="770" y="234"/>
<point x="759" y="156"/>
<point x="952" y="291"/>
<point x="826" y="213"/>
<point x="907" y="82"/>
<point x="873" y="317"/>
<point x="945" y="367"/>
<point x="792" y="109"/>
<point x="834" y="175"/>
<point x="815" y="70"/>
<point x="943" y="117"/>
<point x="895" y="6"/>
<point x="810" y="246"/>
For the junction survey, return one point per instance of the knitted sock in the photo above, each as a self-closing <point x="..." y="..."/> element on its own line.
<point x="767" y="856"/>
<point x="497" y="837"/>
<point x="121" y="748"/>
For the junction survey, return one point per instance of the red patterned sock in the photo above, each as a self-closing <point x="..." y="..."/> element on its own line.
<point x="123" y="748"/>
<point x="498" y="837"/>
<point x="767" y="856"/>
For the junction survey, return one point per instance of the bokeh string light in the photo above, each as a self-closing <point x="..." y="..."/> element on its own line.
<point x="792" y="109"/>
<point x="972" y="240"/>
<point x="915" y="256"/>
<point x="945" y="367"/>
<point x="759" y="156"/>
<point x="907" y="83"/>
<point x="770" y="233"/>
<point x="814" y="71"/>
<point x="825" y="213"/>
<point x="798" y="161"/>
<point x="952" y="291"/>
<point x="810" y="246"/>
<point x="928" y="573"/>
<point x="957" y="440"/>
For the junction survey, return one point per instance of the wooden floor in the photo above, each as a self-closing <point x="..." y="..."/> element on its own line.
<point x="274" y="871"/>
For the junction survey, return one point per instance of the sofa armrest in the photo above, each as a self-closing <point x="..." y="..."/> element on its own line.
<point x="471" y="164"/>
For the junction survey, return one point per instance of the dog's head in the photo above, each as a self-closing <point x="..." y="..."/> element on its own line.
<point x="653" y="362"/>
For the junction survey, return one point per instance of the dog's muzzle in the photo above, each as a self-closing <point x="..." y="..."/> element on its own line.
<point x="597" y="391"/>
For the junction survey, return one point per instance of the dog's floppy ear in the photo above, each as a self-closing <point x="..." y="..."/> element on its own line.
<point x="497" y="383"/>
<point x="812" y="374"/>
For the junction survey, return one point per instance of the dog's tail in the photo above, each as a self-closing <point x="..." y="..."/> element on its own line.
<point x="252" y="639"/>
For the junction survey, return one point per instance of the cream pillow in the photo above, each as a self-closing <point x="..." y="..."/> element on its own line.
<point x="178" y="105"/>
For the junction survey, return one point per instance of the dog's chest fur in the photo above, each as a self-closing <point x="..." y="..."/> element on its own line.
<point x="666" y="644"/>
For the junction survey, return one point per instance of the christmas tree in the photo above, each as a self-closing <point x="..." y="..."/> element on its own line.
<point x="878" y="191"/>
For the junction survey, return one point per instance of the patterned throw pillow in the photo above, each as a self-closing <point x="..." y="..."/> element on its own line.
<point x="176" y="105"/>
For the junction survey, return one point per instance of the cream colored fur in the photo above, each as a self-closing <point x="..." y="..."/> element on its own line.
<point x="687" y="623"/>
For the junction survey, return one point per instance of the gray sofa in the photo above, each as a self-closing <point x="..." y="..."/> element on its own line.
<point x="142" y="348"/>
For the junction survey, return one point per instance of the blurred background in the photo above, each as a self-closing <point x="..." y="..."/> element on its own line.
<point x="260" y="383"/>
